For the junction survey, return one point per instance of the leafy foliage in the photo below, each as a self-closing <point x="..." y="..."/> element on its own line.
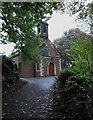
<point x="83" y="8"/>
<point x="65" y="42"/>
<point x="78" y="79"/>
<point x="78" y="83"/>
<point x="75" y="100"/>
<point x="76" y="97"/>
<point x="9" y="71"/>
<point x="19" y="22"/>
<point x="64" y="75"/>
<point x="80" y="55"/>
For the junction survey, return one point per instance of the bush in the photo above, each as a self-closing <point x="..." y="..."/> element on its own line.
<point x="64" y="75"/>
<point x="78" y="81"/>
<point x="9" y="70"/>
<point x="78" y="86"/>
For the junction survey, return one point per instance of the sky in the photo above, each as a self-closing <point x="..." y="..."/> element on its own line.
<point x="58" y="24"/>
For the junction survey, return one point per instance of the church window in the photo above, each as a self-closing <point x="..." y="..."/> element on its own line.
<point x="37" y="67"/>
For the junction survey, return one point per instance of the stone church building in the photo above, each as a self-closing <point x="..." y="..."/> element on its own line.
<point x="50" y="64"/>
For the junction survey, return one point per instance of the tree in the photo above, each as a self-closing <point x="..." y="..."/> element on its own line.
<point x="80" y="56"/>
<point x="65" y="42"/>
<point x="20" y="19"/>
<point x="18" y="23"/>
<point x="83" y="8"/>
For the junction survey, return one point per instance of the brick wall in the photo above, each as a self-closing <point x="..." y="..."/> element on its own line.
<point x="28" y="70"/>
<point x="55" y="60"/>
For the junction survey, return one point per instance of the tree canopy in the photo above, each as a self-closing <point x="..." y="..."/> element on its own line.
<point x="19" y="20"/>
<point x="83" y="8"/>
<point x="65" y="42"/>
<point x="18" y="25"/>
<point x="80" y="55"/>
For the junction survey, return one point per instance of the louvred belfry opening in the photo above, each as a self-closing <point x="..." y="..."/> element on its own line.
<point x="43" y="30"/>
<point x="51" y="69"/>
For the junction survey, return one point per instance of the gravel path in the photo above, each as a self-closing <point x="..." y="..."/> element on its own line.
<point x="33" y="100"/>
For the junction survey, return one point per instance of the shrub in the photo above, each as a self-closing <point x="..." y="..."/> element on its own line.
<point x="64" y="75"/>
<point x="78" y="85"/>
<point x="9" y="70"/>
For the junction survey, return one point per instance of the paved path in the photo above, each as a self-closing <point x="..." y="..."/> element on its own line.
<point x="33" y="100"/>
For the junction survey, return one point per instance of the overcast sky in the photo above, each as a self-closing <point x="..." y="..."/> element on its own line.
<point x="58" y="24"/>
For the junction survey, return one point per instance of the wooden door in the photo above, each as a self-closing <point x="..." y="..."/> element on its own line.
<point x="51" y="69"/>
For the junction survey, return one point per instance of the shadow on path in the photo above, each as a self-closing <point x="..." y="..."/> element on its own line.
<point x="33" y="100"/>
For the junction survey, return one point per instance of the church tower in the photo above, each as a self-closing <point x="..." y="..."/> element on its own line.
<point x="43" y="30"/>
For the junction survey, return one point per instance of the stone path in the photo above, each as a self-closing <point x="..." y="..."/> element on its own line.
<point x="33" y="100"/>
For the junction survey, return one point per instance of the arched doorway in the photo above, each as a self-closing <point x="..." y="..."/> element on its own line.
<point x="51" y="69"/>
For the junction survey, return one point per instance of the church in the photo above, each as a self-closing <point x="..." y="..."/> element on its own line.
<point x="50" y="64"/>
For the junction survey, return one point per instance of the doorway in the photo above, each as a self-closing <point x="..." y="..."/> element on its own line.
<point x="51" y="69"/>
